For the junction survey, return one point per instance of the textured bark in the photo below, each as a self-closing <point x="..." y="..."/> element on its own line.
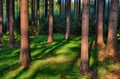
<point x="1" y="20"/>
<point x="67" y="36"/>
<point x="11" y="21"/>
<point x="112" y="29"/>
<point x="25" y="57"/>
<point x="50" y="37"/>
<point x="84" y="44"/>
<point x="100" y="24"/>
<point x="38" y="13"/>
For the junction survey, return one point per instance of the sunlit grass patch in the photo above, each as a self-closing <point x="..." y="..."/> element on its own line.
<point x="58" y="60"/>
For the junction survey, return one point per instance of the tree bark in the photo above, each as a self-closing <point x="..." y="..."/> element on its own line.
<point x="112" y="29"/>
<point x="7" y="18"/>
<point x="84" y="45"/>
<point x="33" y="16"/>
<point x="11" y="21"/>
<point x="25" y="57"/>
<point x="100" y="24"/>
<point x="1" y="20"/>
<point x="38" y="13"/>
<point x="67" y="36"/>
<point x="50" y="37"/>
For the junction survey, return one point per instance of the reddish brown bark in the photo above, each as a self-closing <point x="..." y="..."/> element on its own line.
<point x="112" y="29"/>
<point x="84" y="45"/>
<point x="50" y="37"/>
<point x="67" y="36"/>
<point x="11" y="21"/>
<point x="1" y="21"/>
<point x="25" y="57"/>
<point x="100" y="24"/>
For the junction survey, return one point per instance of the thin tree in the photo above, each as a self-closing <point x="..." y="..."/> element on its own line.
<point x="46" y="8"/>
<point x="112" y="28"/>
<point x="67" y="36"/>
<point x="33" y="15"/>
<point x="79" y="9"/>
<point x="11" y="21"/>
<point x="84" y="45"/>
<point x="50" y="37"/>
<point x="38" y="12"/>
<point x="100" y="24"/>
<point x="7" y="18"/>
<point x="25" y="57"/>
<point x="1" y="20"/>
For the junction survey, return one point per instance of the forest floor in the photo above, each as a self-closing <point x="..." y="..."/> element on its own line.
<point x="58" y="60"/>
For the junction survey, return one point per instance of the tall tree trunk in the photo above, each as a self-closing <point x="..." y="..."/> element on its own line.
<point x="66" y="6"/>
<point x="100" y="24"/>
<point x="112" y="29"/>
<point x="46" y="8"/>
<point x="95" y="10"/>
<point x="67" y="36"/>
<point x="33" y="16"/>
<point x="75" y="1"/>
<point x="84" y="45"/>
<point x="50" y="37"/>
<point x="7" y="18"/>
<point x="38" y="13"/>
<point x="25" y="57"/>
<point x="11" y="21"/>
<point x="1" y="20"/>
<point x="79" y="9"/>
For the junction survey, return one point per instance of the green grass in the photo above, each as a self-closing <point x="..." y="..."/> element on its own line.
<point x="59" y="60"/>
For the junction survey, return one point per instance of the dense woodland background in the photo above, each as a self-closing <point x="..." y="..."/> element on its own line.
<point x="59" y="39"/>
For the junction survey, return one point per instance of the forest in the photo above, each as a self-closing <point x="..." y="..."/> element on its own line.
<point x="59" y="39"/>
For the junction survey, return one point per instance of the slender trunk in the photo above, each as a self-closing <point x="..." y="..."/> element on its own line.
<point x="33" y="16"/>
<point x="84" y="46"/>
<point x="7" y="18"/>
<point x="25" y="57"/>
<point x="67" y="36"/>
<point x="50" y="37"/>
<point x="46" y="8"/>
<point x="100" y="24"/>
<point x="38" y="13"/>
<point x="11" y="21"/>
<point x="79" y="9"/>
<point x="95" y="10"/>
<point x="112" y="29"/>
<point x="1" y="20"/>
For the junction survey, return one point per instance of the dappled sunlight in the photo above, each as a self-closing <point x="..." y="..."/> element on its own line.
<point x="12" y="74"/>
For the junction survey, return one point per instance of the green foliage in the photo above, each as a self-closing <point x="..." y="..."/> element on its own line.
<point x="58" y="60"/>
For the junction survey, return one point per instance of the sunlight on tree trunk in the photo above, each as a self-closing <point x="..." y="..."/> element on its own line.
<point x="25" y="57"/>
<point x="112" y="29"/>
<point x="100" y="24"/>
<point x="50" y="37"/>
<point x="84" y="43"/>
<point x="67" y="36"/>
